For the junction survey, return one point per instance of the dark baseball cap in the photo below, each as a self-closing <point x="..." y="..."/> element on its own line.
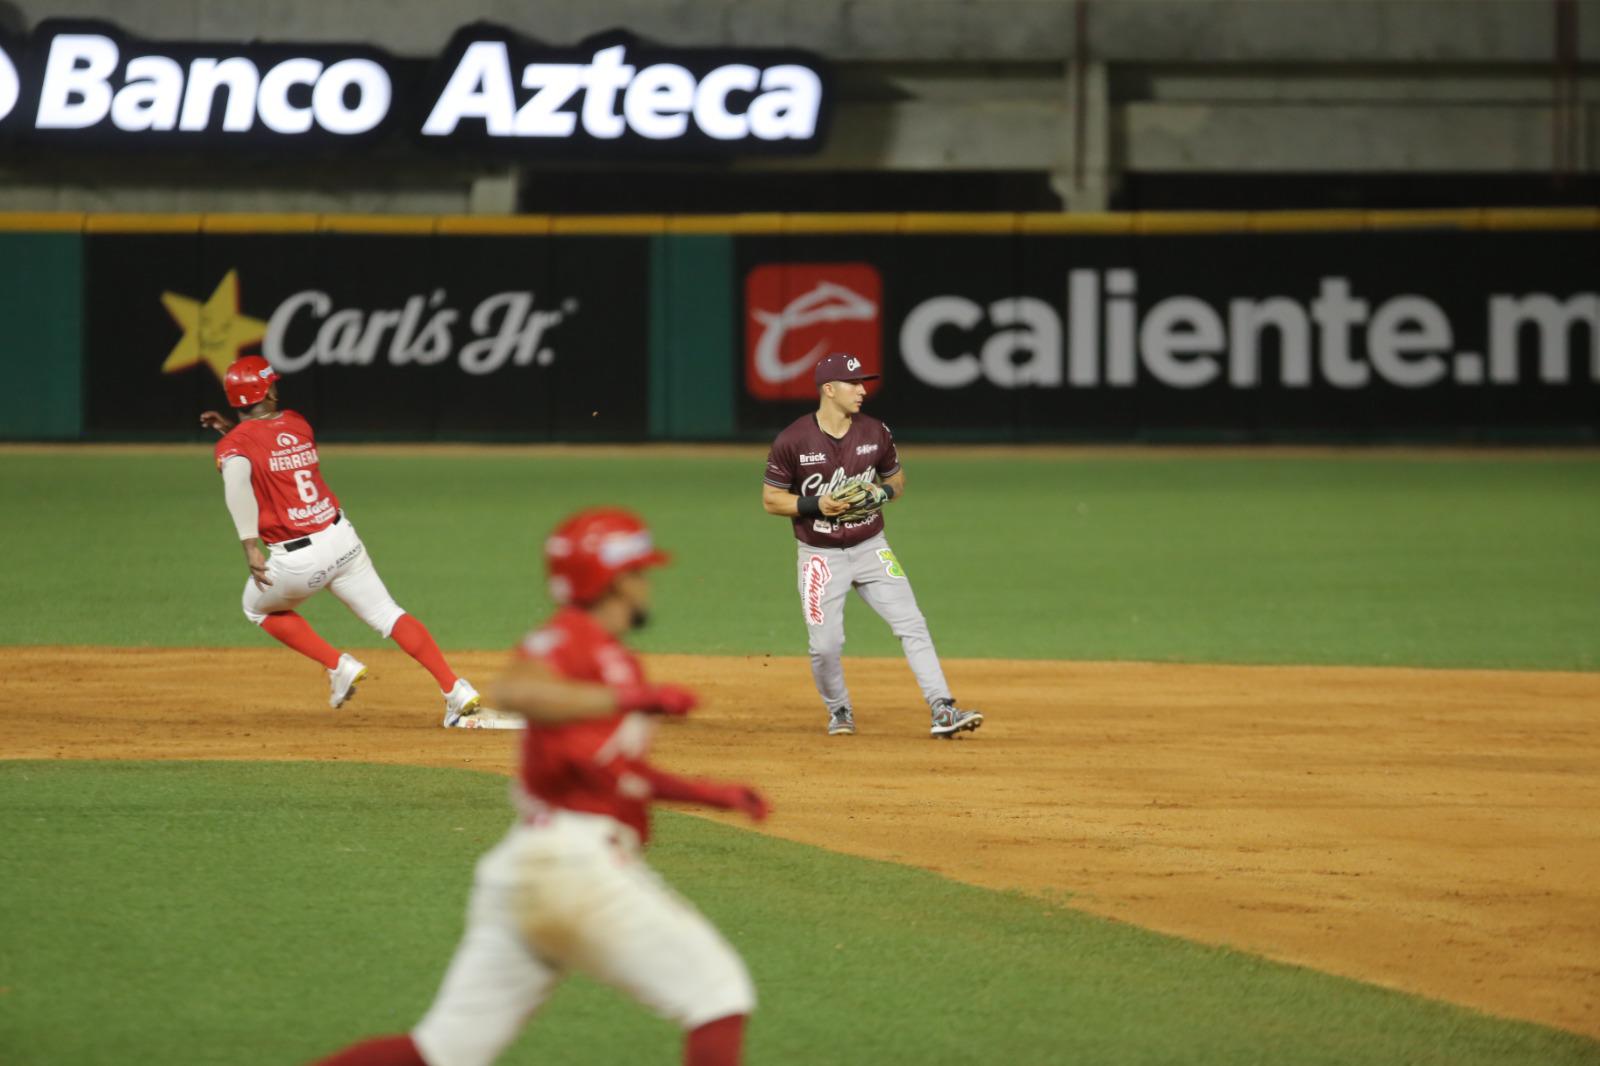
<point x="839" y="367"/>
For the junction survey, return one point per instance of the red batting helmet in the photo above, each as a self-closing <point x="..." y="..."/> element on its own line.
<point x="587" y="552"/>
<point x="248" y="380"/>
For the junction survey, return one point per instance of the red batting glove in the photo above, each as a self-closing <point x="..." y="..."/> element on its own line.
<point x="656" y="699"/>
<point x="746" y="800"/>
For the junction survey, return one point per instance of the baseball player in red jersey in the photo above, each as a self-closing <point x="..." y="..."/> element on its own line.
<point x="566" y="890"/>
<point x="838" y="452"/>
<point x="275" y="493"/>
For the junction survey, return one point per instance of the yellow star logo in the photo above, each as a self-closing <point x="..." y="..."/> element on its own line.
<point x="214" y="331"/>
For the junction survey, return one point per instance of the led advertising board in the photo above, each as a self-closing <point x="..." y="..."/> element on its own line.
<point x="88" y="85"/>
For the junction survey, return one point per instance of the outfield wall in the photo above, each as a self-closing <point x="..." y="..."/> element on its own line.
<point x="1333" y="325"/>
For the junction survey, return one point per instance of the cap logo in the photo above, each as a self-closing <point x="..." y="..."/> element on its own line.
<point x="852" y="364"/>
<point x="622" y="549"/>
<point x="264" y="373"/>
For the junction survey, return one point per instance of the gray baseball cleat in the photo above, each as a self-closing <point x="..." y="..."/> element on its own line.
<point x="841" y="722"/>
<point x="948" y="719"/>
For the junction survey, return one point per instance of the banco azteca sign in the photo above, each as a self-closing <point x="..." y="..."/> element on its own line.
<point x="87" y="84"/>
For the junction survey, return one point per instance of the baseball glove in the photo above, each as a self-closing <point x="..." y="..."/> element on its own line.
<point x="861" y="499"/>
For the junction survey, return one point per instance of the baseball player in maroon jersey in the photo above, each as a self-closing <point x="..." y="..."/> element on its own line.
<point x="566" y="890"/>
<point x="275" y="493"/>
<point x="823" y="472"/>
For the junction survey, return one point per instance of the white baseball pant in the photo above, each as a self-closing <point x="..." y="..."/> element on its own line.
<point x="335" y="560"/>
<point x="571" y="892"/>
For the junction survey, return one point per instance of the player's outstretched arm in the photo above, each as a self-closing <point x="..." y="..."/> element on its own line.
<point x="530" y="688"/>
<point x="724" y="796"/>
<point x="787" y="504"/>
<point x="533" y="690"/>
<point x="217" y="421"/>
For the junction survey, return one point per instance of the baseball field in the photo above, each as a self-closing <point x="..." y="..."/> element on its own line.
<point x="1291" y="756"/>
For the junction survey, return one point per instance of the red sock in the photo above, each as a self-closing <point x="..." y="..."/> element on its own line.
<point x="715" y="1043"/>
<point x="380" y="1051"/>
<point x="289" y="628"/>
<point x="414" y="638"/>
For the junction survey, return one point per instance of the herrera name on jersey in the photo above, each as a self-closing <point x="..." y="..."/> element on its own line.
<point x="292" y="497"/>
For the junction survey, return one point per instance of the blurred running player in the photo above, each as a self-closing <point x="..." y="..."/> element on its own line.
<point x="566" y="890"/>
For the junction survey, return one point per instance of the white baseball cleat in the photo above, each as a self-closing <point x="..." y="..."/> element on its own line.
<point x="461" y="701"/>
<point x="342" y="680"/>
<point x="485" y="718"/>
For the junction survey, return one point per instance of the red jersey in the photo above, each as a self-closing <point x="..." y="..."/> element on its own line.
<point x="596" y="765"/>
<point x="290" y="493"/>
<point x="806" y="461"/>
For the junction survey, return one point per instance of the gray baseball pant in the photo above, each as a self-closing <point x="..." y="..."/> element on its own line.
<point x="826" y="577"/>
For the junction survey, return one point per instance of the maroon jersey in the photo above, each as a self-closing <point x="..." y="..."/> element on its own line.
<point x="290" y="493"/>
<point x="596" y="765"/>
<point x="806" y="461"/>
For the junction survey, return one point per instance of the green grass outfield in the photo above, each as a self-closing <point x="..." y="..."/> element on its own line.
<point x="1464" y="561"/>
<point x="237" y="914"/>
<point x="242" y="913"/>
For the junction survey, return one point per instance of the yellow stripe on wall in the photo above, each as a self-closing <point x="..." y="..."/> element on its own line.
<point x="42" y="221"/>
<point x="992" y="223"/>
<point x="141" y="223"/>
<point x="1541" y="218"/>
<point x="608" y="225"/>
<point x="260" y="223"/>
<point x="1087" y="224"/>
<point x="495" y="225"/>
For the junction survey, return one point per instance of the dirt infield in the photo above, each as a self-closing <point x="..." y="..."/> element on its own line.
<point x="1427" y="830"/>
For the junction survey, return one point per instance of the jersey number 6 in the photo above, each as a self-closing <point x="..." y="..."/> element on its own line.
<point x="303" y="483"/>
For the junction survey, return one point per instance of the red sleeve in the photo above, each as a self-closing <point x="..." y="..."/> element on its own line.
<point x="780" y="463"/>
<point x="228" y="447"/>
<point x="888" y="456"/>
<point x="674" y="789"/>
